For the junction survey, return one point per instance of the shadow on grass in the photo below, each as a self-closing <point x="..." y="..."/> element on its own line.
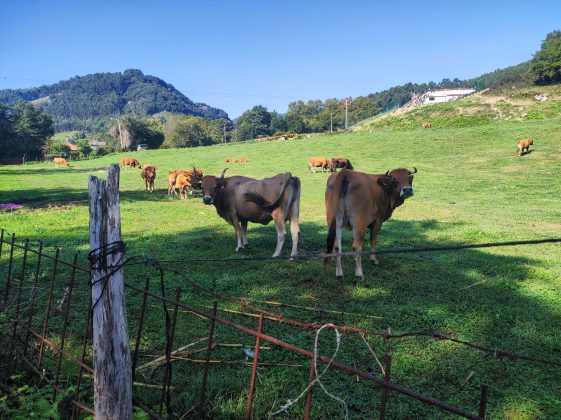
<point x="497" y="299"/>
<point x="47" y="171"/>
<point x="46" y="198"/>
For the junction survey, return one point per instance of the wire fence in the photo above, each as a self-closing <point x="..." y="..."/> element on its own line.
<point x="48" y="304"/>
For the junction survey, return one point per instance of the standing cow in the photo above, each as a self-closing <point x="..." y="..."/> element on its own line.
<point x="149" y="175"/>
<point x="427" y="124"/>
<point x="132" y="162"/>
<point x="195" y="177"/>
<point x="523" y="145"/>
<point x="240" y="200"/>
<point x="341" y="163"/>
<point x="319" y="162"/>
<point x="359" y="200"/>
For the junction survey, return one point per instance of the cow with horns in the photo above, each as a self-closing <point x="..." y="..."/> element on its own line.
<point x="361" y="201"/>
<point x="240" y="200"/>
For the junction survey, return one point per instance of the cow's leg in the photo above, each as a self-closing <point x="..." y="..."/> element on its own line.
<point x="238" y="229"/>
<point x="279" y="218"/>
<point x="359" y="230"/>
<point x="295" y="224"/>
<point x="338" y="249"/>
<point x="376" y="226"/>
<point x="244" y="233"/>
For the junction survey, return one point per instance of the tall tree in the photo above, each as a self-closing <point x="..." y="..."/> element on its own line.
<point x="546" y="64"/>
<point x="31" y="128"/>
<point x="187" y="132"/>
<point x="253" y="123"/>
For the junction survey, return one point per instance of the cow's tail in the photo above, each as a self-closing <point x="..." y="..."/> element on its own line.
<point x="295" y="194"/>
<point x="340" y="188"/>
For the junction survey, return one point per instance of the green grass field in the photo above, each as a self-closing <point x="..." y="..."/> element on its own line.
<point x="470" y="188"/>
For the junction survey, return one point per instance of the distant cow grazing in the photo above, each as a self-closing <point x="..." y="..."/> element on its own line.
<point x="341" y="163"/>
<point x="61" y="162"/>
<point x="244" y="159"/>
<point x="240" y="200"/>
<point x="231" y="160"/>
<point x="427" y="124"/>
<point x="523" y="145"/>
<point x="195" y="179"/>
<point x="359" y="200"/>
<point x="132" y="162"/>
<point x="149" y="175"/>
<point x="319" y="162"/>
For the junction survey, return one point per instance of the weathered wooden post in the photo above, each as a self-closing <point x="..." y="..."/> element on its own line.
<point x="111" y="350"/>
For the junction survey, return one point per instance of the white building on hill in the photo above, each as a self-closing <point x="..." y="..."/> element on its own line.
<point x="442" y="95"/>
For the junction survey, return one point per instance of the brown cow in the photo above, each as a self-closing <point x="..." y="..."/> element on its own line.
<point x="341" y="163"/>
<point x="183" y="183"/>
<point x="232" y="160"/>
<point x="319" y="162"/>
<point x="427" y="124"/>
<point x="359" y="200"/>
<point x="243" y="159"/>
<point x="149" y="175"/>
<point x="522" y="145"/>
<point x="132" y="162"/>
<point x="240" y="200"/>
<point x="61" y="161"/>
<point x="196" y="180"/>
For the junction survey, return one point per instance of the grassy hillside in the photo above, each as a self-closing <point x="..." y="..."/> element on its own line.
<point x="511" y="103"/>
<point x="470" y="187"/>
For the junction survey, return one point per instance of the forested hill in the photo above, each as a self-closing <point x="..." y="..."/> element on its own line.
<point x="87" y="102"/>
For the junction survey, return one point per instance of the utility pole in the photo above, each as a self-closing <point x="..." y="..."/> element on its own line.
<point x="331" y="126"/>
<point x="347" y="103"/>
<point x="224" y="136"/>
<point x="120" y="133"/>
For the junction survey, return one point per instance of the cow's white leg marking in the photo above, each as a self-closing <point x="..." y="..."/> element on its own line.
<point x="244" y="233"/>
<point x="373" y="238"/>
<point x="338" y="248"/>
<point x="278" y="217"/>
<point x="359" y="231"/>
<point x="294" y="223"/>
<point x="238" y="230"/>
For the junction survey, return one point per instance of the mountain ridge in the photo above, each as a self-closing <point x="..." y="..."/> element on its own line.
<point x="88" y="102"/>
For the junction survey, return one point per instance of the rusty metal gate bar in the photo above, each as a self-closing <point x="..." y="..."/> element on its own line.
<point x="212" y="317"/>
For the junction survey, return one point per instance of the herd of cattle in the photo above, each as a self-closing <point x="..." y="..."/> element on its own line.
<point x="354" y="200"/>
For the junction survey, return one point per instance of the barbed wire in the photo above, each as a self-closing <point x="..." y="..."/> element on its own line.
<point x="97" y="254"/>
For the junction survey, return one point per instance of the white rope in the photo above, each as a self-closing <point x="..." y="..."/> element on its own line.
<point x="290" y="403"/>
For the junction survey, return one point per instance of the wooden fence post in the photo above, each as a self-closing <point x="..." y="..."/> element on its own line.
<point x="111" y="350"/>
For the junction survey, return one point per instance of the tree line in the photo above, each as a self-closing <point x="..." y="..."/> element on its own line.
<point x="25" y="129"/>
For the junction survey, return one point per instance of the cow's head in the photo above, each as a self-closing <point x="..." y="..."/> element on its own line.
<point x="398" y="183"/>
<point x="211" y="185"/>
<point x="531" y="141"/>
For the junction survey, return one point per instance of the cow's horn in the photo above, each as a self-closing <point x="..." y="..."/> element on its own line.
<point x="222" y="176"/>
<point x="387" y="173"/>
<point x="414" y="171"/>
<point x="195" y="173"/>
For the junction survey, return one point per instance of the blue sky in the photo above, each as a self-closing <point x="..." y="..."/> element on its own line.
<point x="237" y="54"/>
